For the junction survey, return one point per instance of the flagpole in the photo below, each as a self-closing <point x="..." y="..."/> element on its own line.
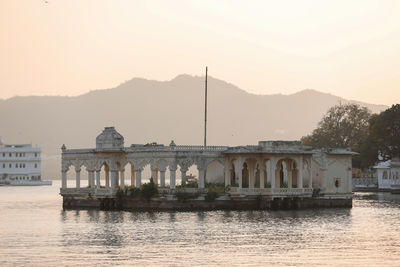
<point x="205" y="111"/>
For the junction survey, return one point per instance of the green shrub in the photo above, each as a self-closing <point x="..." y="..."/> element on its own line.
<point x="149" y="190"/>
<point x="218" y="188"/>
<point x="189" y="184"/>
<point x="267" y="185"/>
<point x="134" y="192"/>
<point x="284" y="185"/>
<point x="146" y="191"/>
<point x="120" y="194"/>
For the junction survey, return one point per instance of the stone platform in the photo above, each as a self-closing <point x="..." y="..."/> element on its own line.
<point x="171" y="203"/>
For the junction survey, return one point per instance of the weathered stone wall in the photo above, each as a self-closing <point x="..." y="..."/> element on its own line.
<point x="162" y="204"/>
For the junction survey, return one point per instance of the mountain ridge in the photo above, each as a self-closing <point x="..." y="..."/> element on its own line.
<point x="145" y="111"/>
<point x="180" y="76"/>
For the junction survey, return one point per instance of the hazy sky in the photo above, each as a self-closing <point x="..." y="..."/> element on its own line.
<point x="66" y="47"/>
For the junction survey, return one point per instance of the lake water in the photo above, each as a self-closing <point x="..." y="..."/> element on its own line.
<point x="34" y="230"/>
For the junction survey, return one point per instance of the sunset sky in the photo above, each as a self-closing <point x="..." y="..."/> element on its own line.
<point x="65" y="47"/>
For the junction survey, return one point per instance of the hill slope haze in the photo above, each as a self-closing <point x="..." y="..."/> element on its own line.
<point x="152" y="111"/>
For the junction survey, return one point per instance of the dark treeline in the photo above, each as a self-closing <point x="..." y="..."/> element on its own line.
<point x="351" y="125"/>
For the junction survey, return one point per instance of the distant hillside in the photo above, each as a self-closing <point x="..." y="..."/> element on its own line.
<point x="146" y="111"/>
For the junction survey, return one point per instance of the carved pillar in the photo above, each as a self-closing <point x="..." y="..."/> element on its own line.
<point x="154" y="174"/>
<point x="227" y="172"/>
<point x="97" y="178"/>
<point x="300" y="174"/>
<point x="240" y="172"/>
<point x="64" y="179"/>
<point x="183" y="174"/>
<point x="251" y="174"/>
<point x="262" y="178"/>
<point x="138" y="177"/>
<point x="122" y="178"/>
<point x="202" y="173"/>
<point x="117" y="178"/>
<point x="285" y="173"/>
<point x="114" y="177"/>
<point x="162" y="177"/>
<point x="78" y="178"/>
<point x="271" y="173"/>
<point x="91" y="178"/>
<point x="172" y="176"/>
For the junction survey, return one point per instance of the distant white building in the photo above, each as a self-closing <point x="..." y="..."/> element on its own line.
<point x="19" y="162"/>
<point x="388" y="173"/>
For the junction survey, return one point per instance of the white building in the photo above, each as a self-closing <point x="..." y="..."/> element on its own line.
<point x="19" y="162"/>
<point x="271" y="168"/>
<point x="388" y="173"/>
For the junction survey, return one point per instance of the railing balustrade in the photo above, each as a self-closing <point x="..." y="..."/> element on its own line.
<point x="269" y="191"/>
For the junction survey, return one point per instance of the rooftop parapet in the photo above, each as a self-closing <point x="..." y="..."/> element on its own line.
<point x="337" y="151"/>
<point x="283" y="145"/>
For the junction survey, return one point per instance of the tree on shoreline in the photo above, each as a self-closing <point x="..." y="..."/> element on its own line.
<point x="353" y="126"/>
<point x="384" y="133"/>
<point x="342" y="126"/>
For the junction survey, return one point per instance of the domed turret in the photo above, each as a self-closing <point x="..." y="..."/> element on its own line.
<point x="109" y="139"/>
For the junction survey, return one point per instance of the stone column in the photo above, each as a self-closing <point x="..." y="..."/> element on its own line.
<point x="132" y="176"/>
<point x="114" y="178"/>
<point x="290" y="176"/>
<point x="138" y="177"/>
<point x="310" y="177"/>
<point x="285" y="174"/>
<point x="98" y="179"/>
<point x="117" y="178"/>
<point x="172" y="177"/>
<point x="78" y="178"/>
<point x="122" y="178"/>
<point x="201" y="177"/>
<point x="64" y="179"/>
<point x="183" y="174"/>
<point x="262" y="178"/>
<point x="271" y="173"/>
<point x="251" y="175"/>
<point x="107" y="177"/>
<point x="162" y="177"/>
<point x="154" y="174"/>
<point x="91" y="179"/>
<point x="240" y="176"/>
<point x="227" y="172"/>
<point x="300" y="174"/>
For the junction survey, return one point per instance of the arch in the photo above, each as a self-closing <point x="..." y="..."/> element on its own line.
<point x="286" y="173"/>
<point x="104" y="175"/>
